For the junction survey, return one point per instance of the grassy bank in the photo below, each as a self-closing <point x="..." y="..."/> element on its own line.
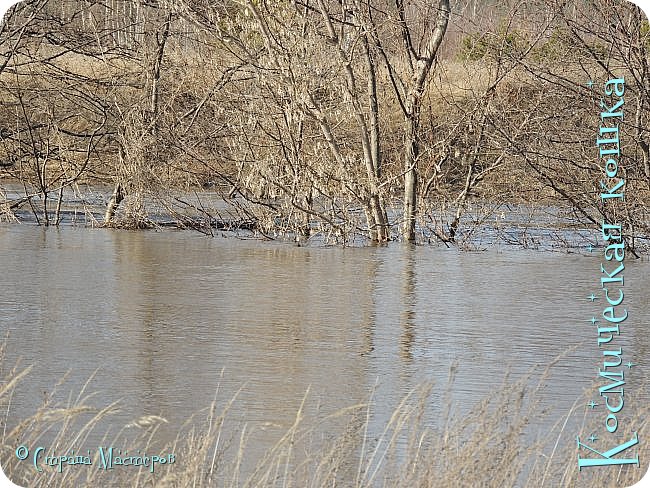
<point x="494" y="444"/>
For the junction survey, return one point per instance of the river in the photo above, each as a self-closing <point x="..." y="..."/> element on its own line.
<point x="161" y="320"/>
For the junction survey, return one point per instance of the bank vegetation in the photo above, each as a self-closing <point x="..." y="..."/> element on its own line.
<point x="498" y="442"/>
<point x="378" y="119"/>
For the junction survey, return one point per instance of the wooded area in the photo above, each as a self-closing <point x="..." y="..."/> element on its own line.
<point x="384" y="119"/>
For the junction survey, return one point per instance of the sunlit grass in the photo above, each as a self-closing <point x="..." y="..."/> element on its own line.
<point x="491" y="445"/>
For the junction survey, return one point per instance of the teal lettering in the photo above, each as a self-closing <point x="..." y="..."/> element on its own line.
<point x="608" y="457"/>
<point x="618" y="408"/>
<point x="611" y="276"/>
<point x="107" y="460"/>
<point x="615" y="384"/>
<point x="620" y="297"/>
<point x="616" y="82"/>
<point x="611" y="163"/>
<point x="616" y="250"/>
<point x="37" y="454"/>
<point x="616" y="354"/>
<point x="612" y="317"/>
<point x="609" y="112"/>
<point x="611" y="428"/>
<point x="610" y="331"/>
<point x="605" y="228"/>
<point x="610" y="191"/>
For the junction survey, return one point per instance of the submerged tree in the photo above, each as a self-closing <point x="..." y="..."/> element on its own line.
<point x="54" y="115"/>
<point x="420" y="57"/>
<point x="329" y="73"/>
<point x="342" y="118"/>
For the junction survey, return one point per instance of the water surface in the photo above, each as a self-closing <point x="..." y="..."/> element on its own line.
<point x="164" y="319"/>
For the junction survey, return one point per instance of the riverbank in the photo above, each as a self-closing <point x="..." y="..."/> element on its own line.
<point x="487" y="447"/>
<point x="485" y="224"/>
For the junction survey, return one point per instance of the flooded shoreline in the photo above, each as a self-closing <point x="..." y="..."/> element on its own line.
<point x="485" y="225"/>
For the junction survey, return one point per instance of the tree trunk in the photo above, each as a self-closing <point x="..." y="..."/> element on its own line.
<point x="411" y="177"/>
<point x="421" y="68"/>
<point x="113" y="203"/>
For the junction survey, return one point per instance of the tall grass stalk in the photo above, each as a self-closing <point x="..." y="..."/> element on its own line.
<point x="491" y="444"/>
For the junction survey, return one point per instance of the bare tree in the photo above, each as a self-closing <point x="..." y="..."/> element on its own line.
<point x="410" y="93"/>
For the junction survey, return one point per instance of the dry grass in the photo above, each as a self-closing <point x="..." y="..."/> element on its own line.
<point x="491" y="445"/>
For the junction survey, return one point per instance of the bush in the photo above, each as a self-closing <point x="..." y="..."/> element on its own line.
<point x="497" y="44"/>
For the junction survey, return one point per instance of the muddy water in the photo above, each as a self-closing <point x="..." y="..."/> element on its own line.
<point x="162" y="320"/>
